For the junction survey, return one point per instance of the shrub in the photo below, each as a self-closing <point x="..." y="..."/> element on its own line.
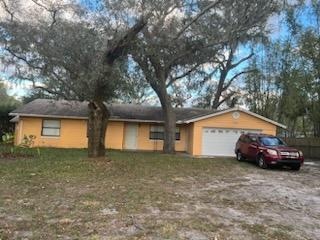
<point x="8" y="138"/>
<point x="27" y="141"/>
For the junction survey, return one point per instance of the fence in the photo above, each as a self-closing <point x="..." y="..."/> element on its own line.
<point x="309" y="146"/>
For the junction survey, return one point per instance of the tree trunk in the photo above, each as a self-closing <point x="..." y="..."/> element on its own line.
<point x="97" y="125"/>
<point x="304" y="127"/>
<point x="169" y="129"/>
<point x="216" y="101"/>
<point x="169" y="120"/>
<point x="317" y="129"/>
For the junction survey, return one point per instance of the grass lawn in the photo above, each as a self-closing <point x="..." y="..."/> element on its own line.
<point x="60" y="194"/>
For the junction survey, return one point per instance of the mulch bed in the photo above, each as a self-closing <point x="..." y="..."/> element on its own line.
<point x="13" y="156"/>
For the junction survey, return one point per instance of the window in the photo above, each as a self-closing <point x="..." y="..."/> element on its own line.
<point x="246" y="139"/>
<point x="157" y="133"/>
<point x="271" y="141"/>
<point x="177" y="133"/>
<point x="253" y="139"/>
<point x="51" y="128"/>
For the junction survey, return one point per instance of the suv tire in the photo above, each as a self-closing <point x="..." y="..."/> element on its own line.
<point x="261" y="162"/>
<point x="296" y="167"/>
<point x="239" y="156"/>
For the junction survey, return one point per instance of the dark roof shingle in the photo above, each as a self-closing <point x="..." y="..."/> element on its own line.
<point x="76" y="109"/>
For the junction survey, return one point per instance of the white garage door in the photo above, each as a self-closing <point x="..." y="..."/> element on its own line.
<point x="221" y="141"/>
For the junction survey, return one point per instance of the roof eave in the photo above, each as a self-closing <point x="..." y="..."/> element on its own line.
<point x="157" y="121"/>
<point x="85" y="118"/>
<point x="45" y="116"/>
<point x="236" y="109"/>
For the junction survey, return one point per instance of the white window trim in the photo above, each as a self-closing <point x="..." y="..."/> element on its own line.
<point x="50" y="136"/>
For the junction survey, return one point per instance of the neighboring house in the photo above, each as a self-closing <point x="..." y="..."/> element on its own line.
<point x="63" y="124"/>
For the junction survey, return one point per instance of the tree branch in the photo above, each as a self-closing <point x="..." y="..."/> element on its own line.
<point x="207" y="8"/>
<point x="6" y="8"/>
<point x="143" y="63"/>
<point x="53" y="12"/>
<point x="234" y="78"/>
<point x="53" y="92"/>
<point x="41" y="5"/>
<point x="122" y="44"/>
<point x="242" y="60"/>
<point x="22" y="59"/>
<point x="172" y="80"/>
<point x="186" y="53"/>
<point x="58" y="78"/>
<point x="54" y="20"/>
<point x="226" y="98"/>
<point x="208" y="76"/>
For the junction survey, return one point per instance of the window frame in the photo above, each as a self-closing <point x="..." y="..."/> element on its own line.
<point x="177" y="133"/>
<point x="43" y="127"/>
<point x="247" y="139"/>
<point x="151" y="133"/>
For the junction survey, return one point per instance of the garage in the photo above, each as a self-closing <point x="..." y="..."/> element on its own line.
<point x="221" y="141"/>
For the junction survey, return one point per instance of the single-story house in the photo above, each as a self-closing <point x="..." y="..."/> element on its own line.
<point x="63" y="124"/>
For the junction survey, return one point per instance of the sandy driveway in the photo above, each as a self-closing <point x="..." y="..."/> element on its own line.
<point x="261" y="204"/>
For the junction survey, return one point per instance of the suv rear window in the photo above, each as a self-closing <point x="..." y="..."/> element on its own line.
<point x="271" y="141"/>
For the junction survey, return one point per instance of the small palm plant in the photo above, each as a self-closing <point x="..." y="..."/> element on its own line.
<point x="8" y="138"/>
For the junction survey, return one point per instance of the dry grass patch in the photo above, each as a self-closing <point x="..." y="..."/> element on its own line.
<point x="60" y="194"/>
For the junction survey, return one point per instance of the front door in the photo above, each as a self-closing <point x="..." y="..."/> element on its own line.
<point x="131" y="136"/>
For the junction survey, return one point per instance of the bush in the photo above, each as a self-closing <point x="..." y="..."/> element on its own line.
<point x="27" y="141"/>
<point x="7" y="138"/>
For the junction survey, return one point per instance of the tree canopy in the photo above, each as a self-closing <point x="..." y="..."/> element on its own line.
<point x="7" y="104"/>
<point x="71" y="53"/>
<point x="175" y="50"/>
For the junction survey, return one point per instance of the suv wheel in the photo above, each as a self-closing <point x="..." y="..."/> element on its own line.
<point x="239" y="156"/>
<point x="261" y="162"/>
<point x="296" y="167"/>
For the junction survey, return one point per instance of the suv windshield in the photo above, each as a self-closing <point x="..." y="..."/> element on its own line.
<point x="271" y="141"/>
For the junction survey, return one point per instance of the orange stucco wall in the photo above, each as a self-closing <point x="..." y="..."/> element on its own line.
<point x="190" y="137"/>
<point x="73" y="134"/>
<point x="144" y="143"/>
<point x="114" y="136"/>
<point x="245" y="121"/>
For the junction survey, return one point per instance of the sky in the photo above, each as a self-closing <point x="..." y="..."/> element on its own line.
<point x="17" y="88"/>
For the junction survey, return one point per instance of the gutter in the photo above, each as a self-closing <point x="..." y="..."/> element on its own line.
<point x="85" y="118"/>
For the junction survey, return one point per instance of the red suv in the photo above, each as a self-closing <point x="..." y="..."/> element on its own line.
<point x="267" y="150"/>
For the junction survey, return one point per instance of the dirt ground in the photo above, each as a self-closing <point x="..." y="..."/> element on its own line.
<point x="262" y="204"/>
<point x="148" y="196"/>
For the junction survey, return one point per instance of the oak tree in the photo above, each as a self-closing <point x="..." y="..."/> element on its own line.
<point x="70" y="52"/>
